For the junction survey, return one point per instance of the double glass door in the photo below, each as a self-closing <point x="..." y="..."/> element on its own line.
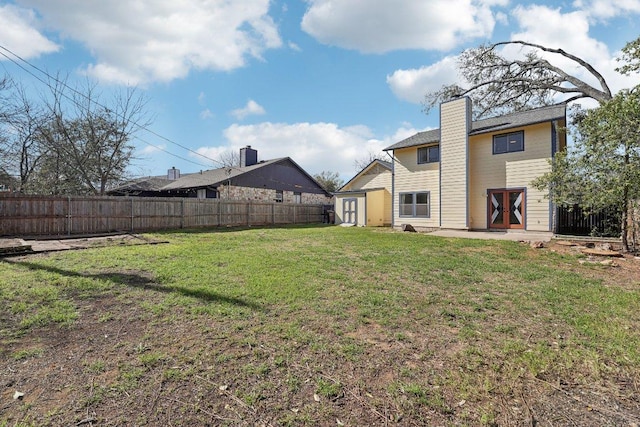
<point x="506" y="209"/>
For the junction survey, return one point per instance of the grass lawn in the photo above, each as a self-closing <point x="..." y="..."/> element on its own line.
<point x="317" y="326"/>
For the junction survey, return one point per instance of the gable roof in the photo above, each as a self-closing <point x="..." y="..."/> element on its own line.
<point x="493" y="124"/>
<point x="148" y="183"/>
<point x="374" y="162"/>
<point x="219" y="176"/>
<point x="216" y="176"/>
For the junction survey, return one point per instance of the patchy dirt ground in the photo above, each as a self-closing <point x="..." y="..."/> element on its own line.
<point x="119" y="365"/>
<point x="11" y="246"/>
<point x="613" y="266"/>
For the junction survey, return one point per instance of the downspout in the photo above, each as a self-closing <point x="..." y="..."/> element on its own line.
<point x="553" y="209"/>
<point x="393" y="189"/>
<point x="365" y="208"/>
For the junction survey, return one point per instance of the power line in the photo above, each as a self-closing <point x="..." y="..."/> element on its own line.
<point x="63" y="84"/>
<point x="139" y="126"/>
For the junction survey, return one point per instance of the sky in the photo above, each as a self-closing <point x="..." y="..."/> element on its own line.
<point x="326" y="82"/>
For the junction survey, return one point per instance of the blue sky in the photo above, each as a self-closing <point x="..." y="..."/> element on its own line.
<point x="325" y="82"/>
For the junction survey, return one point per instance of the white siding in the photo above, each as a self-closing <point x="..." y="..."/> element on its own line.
<point x="454" y="131"/>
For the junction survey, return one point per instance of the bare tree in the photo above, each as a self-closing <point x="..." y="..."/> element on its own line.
<point x="498" y="84"/>
<point x="229" y="159"/>
<point x="26" y="146"/>
<point x="93" y="138"/>
<point x="21" y="148"/>
<point x="364" y="161"/>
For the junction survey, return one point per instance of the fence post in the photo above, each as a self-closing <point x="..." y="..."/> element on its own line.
<point x="182" y="212"/>
<point x="249" y="213"/>
<point x="69" y="221"/>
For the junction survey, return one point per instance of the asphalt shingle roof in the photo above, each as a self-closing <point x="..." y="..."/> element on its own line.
<point x="493" y="124"/>
<point x="149" y="183"/>
<point x="214" y="176"/>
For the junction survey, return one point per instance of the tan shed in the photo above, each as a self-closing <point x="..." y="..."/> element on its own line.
<point x="366" y="199"/>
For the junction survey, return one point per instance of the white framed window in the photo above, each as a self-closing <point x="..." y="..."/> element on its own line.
<point x="202" y="193"/>
<point x="297" y="197"/>
<point x="278" y="196"/>
<point x="415" y="205"/>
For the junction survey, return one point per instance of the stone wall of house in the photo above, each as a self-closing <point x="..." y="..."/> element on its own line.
<point x="232" y="192"/>
<point x="308" y="198"/>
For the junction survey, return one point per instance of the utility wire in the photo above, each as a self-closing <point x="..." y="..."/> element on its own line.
<point x="144" y="128"/>
<point x="63" y="84"/>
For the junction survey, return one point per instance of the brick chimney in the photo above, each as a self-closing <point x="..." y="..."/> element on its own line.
<point x="248" y="156"/>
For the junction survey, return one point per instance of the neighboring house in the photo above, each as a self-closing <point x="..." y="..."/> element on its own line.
<point x="477" y="175"/>
<point x="366" y="198"/>
<point x="146" y="187"/>
<point x="7" y="182"/>
<point x="279" y="180"/>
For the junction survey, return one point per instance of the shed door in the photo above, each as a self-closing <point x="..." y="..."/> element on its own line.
<point x="506" y="208"/>
<point x="350" y="211"/>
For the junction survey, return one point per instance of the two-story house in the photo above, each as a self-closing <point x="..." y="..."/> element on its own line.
<point x="476" y="175"/>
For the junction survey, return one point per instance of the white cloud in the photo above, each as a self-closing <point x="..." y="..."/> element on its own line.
<point x="161" y="40"/>
<point x="18" y="33"/>
<point x="412" y="84"/>
<point x="542" y="25"/>
<point x="382" y="26"/>
<point x="151" y="149"/>
<point x="294" y="46"/>
<point x="206" y="114"/>
<point x="606" y="9"/>
<point x="314" y="146"/>
<point x="210" y="153"/>
<point x="252" y="108"/>
<point x="569" y="31"/>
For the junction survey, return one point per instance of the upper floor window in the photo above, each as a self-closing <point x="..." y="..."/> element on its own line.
<point x="508" y="142"/>
<point x="429" y="154"/>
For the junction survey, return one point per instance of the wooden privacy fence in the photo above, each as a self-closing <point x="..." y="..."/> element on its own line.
<point x="57" y="216"/>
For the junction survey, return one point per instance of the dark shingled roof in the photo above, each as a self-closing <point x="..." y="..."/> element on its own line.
<point x="215" y="176"/>
<point x="420" y="138"/>
<point x="149" y="183"/>
<point x="509" y="121"/>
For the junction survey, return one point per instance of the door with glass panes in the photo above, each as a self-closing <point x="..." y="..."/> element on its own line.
<point x="506" y="208"/>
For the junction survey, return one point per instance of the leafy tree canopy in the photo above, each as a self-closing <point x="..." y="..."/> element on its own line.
<point x="330" y="181"/>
